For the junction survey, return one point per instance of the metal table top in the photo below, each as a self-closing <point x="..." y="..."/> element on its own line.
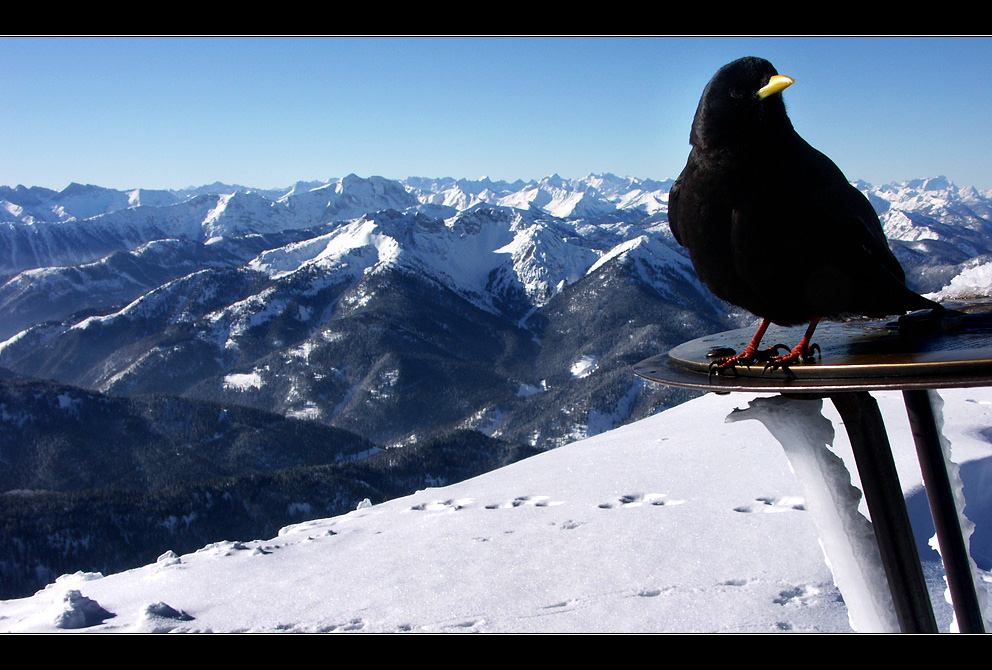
<point x="857" y="355"/>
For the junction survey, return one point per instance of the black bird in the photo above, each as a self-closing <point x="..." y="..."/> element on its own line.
<point x="771" y="224"/>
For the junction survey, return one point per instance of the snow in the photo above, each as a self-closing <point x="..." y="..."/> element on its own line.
<point x="846" y="535"/>
<point x="309" y="411"/>
<point x="243" y="381"/>
<point x="689" y="521"/>
<point x="66" y="401"/>
<point x="974" y="280"/>
<point x="464" y="253"/>
<point x="584" y="366"/>
<point x="527" y="390"/>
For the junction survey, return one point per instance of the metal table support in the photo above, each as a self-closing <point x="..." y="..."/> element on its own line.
<point x="887" y="505"/>
<point x="942" y="507"/>
<point x="855" y="359"/>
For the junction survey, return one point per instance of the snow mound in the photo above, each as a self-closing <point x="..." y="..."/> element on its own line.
<point x="973" y="282"/>
<point x="77" y="611"/>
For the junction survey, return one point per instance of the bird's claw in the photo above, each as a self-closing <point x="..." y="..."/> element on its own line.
<point x="745" y="359"/>
<point x="797" y="355"/>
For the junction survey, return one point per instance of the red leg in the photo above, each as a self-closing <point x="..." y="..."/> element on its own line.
<point x="801" y="352"/>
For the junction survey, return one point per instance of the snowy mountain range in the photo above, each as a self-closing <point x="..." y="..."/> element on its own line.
<point x="252" y="286"/>
<point x="327" y="300"/>
<point x="266" y="298"/>
<point x="43" y="228"/>
<point x="403" y="312"/>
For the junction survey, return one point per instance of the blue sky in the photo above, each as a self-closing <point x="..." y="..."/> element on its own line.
<point x="150" y="112"/>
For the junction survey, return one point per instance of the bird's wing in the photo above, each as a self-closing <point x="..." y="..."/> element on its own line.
<point x="834" y="207"/>
<point x="862" y="226"/>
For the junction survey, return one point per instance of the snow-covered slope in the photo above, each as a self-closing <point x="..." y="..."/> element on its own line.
<point x="678" y="523"/>
<point x="463" y="253"/>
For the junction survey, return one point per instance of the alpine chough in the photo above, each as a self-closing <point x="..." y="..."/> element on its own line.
<point x="771" y="224"/>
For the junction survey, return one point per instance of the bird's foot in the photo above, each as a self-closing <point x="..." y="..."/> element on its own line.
<point x="802" y="353"/>
<point x="750" y="355"/>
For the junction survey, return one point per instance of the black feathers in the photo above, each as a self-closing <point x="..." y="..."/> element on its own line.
<point x="771" y="224"/>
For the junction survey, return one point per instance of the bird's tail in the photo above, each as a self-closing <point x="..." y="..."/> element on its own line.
<point x="928" y="318"/>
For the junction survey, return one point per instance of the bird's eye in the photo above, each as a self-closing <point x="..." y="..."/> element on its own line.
<point x="736" y="93"/>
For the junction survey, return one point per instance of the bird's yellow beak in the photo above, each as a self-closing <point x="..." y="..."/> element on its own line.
<point x="776" y="84"/>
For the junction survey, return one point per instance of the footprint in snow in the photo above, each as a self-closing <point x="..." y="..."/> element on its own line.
<point x="638" y="499"/>
<point x="561" y="605"/>
<point x="353" y="625"/>
<point x="443" y="505"/>
<point x="231" y="548"/>
<point x="528" y="501"/>
<point x="804" y="594"/>
<point x="768" y="505"/>
<point x="326" y="533"/>
<point x="735" y="582"/>
<point x="467" y="624"/>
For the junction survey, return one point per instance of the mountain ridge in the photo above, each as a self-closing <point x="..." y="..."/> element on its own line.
<point x="180" y="296"/>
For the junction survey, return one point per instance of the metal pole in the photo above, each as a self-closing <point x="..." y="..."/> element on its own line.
<point x="953" y="551"/>
<point x="887" y="506"/>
